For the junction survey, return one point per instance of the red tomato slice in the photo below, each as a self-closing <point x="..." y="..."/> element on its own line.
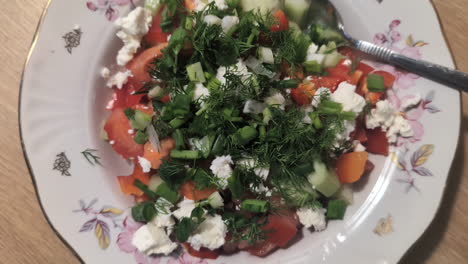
<point x="341" y="70"/>
<point x="389" y="79"/>
<point x="303" y="94"/>
<point x="280" y="229"/>
<point x="117" y="126"/>
<point x="202" y="253"/>
<point x="360" y="132"/>
<point x="366" y="69"/>
<point x="281" y="21"/>
<point x="377" y="142"/>
<point x="155" y="33"/>
<point x="140" y="64"/>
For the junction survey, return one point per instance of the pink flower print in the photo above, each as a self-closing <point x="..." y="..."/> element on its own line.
<point x="124" y="241"/>
<point x="395" y="36"/>
<point x="109" y="7"/>
<point x="187" y="259"/>
<point x="380" y="39"/>
<point x="395" y="23"/>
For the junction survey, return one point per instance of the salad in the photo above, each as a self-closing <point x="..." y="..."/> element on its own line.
<point x="244" y="124"/>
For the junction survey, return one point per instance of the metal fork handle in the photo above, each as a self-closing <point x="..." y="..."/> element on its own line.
<point x="435" y="72"/>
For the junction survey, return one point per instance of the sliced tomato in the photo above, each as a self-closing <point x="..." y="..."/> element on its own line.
<point x="203" y="253"/>
<point x="140" y="64"/>
<point x="189" y="191"/>
<point x="166" y="98"/>
<point x="341" y="70"/>
<point x="360" y="132"/>
<point x="326" y="81"/>
<point x="280" y="21"/>
<point x="280" y="229"/>
<point x="304" y="93"/>
<point x="117" y="126"/>
<point x="366" y="69"/>
<point x="389" y="79"/>
<point x="155" y="33"/>
<point x="377" y="142"/>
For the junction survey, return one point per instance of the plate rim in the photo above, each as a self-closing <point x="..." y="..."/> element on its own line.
<point x="75" y="252"/>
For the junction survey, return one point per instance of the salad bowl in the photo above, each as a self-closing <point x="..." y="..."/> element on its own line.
<point x="62" y="105"/>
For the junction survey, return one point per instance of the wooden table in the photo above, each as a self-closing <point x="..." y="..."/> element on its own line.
<point x="25" y="236"/>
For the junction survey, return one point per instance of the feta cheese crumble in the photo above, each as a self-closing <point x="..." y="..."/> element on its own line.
<point x="119" y="79"/>
<point x="253" y="107"/>
<point x="210" y="233"/>
<point x="145" y="164"/>
<point x="105" y="73"/>
<point x="229" y="22"/>
<point x="346" y="95"/>
<point x="201" y="4"/>
<point x="132" y="29"/>
<point x="391" y="121"/>
<point x="312" y="217"/>
<point x="212" y="20"/>
<point x="239" y="68"/>
<point x="277" y="99"/>
<point x="150" y="239"/>
<point x="185" y="209"/>
<point x="221" y="168"/>
<point x="318" y="96"/>
<point x="250" y="163"/>
<point x="200" y="92"/>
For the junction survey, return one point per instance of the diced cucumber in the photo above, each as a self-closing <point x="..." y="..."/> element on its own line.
<point x="140" y="120"/>
<point x="195" y="72"/>
<point x="267" y="115"/>
<point x="297" y="10"/>
<point x="215" y="200"/>
<point x="345" y="193"/>
<point x="326" y="49"/>
<point x="265" y="6"/>
<point x="332" y="59"/>
<point x="154" y="182"/>
<point x="324" y="180"/>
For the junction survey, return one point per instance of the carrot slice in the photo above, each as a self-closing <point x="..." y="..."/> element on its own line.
<point x="350" y="167"/>
<point x="126" y="182"/>
<point x="189" y="190"/>
<point x="156" y="157"/>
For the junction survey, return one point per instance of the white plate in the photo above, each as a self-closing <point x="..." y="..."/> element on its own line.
<point x="62" y="105"/>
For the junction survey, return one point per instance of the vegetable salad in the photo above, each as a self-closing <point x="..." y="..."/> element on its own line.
<point x="243" y="122"/>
